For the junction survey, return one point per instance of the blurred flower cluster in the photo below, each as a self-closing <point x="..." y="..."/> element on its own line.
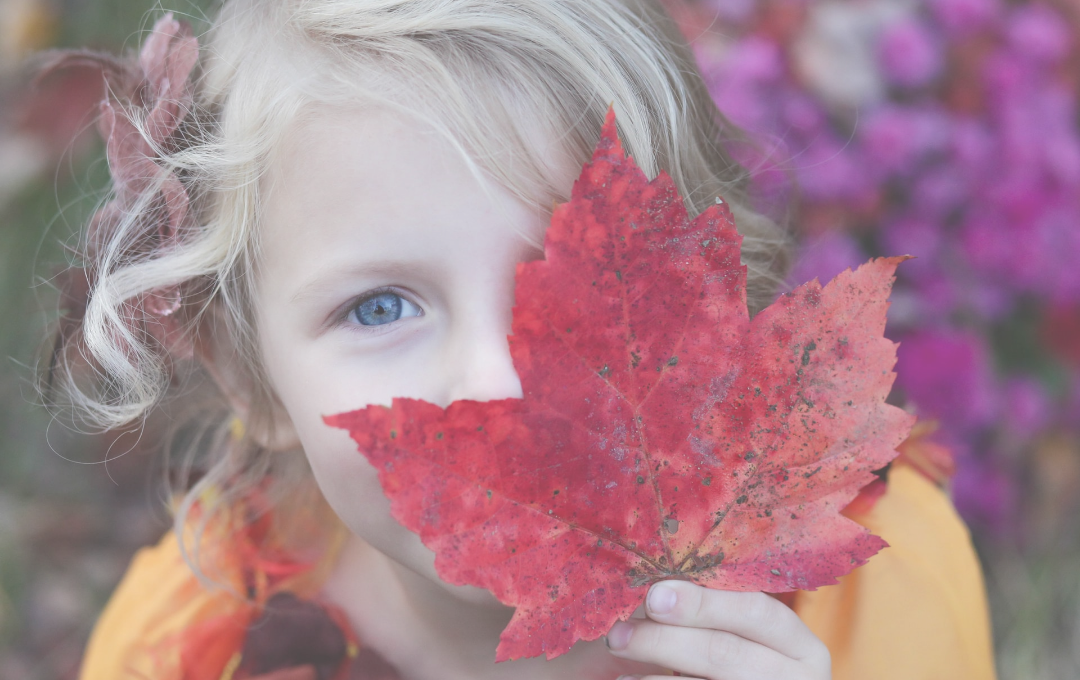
<point x="947" y="130"/>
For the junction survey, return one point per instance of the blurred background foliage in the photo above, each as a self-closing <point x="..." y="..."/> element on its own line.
<point x="944" y="129"/>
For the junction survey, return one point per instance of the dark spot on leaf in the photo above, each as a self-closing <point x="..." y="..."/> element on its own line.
<point x="707" y="481"/>
<point x="635" y="359"/>
<point x="741" y="499"/>
<point x="489" y="493"/>
<point x="618" y="274"/>
<point x="673" y="361"/>
<point x="604" y="371"/>
<point x="393" y="434"/>
<point x="640" y="479"/>
<point x="671" y="525"/>
<point x="555" y="492"/>
<point x="813" y="472"/>
<point x="774" y="572"/>
<point x="806" y="352"/>
<point x="438" y="435"/>
<point x="768" y="512"/>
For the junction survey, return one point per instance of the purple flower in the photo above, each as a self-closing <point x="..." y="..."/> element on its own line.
<point x="909" y="54"/>
<point x="972" y="146"/>
<point x="803" y="113"/>
<point x="898" y="137"/>
<point x="1027" y="406"/>
<point x="734" y="11"/>
<point x="985" y="241"/>
<point x="1071" y="411"/>
<point x="754" y="59"/>
<point x="1056" y="234"/>
<point x="916" y="236"/>
<point x="984" y="495"/>
<point x="830" y="169"/>
<point x="939" y="190"/>
<point x="1060" y="140"/>
<point x="939" y="295"/>
<point x="947" y="374"/>
<point x="989" y="299"/>
<point x="1039" y="33"/>
<point x="963" y="17"/>
<point x="825" y="256"/>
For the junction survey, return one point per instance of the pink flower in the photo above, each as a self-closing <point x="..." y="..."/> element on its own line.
<point x="826" y="256"/>
<point x="896" y="138"/>
<point x="939" y="190"/>
<point x="947" y="374"/>
<point x="1027" y="406"/>
<point x="963" y="17"/>
<point x="830" y="169"/>
<point x="910" y="235"/>
<point x="985" y="495"/>
<point x="1039" y="33"/>
<point x="909" y="54"/>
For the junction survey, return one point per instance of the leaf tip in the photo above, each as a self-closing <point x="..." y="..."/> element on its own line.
<point x="609" y="144"/>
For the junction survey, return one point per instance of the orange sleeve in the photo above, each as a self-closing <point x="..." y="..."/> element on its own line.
<point x="915" y="611"/>
<point x="158" y="598"/>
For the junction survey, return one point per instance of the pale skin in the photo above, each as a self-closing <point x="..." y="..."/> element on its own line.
<point x="387" y="269"/>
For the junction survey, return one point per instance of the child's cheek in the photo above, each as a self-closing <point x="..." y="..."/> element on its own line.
<point x="351" y="487"/>
<point x="350" y="484"/>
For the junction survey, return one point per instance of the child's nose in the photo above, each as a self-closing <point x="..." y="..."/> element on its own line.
<point x="480" y="368"/>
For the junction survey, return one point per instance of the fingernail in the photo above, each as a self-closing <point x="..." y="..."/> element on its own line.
<point x="661" y="599"/>
<point x="619" y="635"/>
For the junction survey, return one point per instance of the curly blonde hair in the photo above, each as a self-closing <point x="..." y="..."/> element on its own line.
<point x="487" y="74"/>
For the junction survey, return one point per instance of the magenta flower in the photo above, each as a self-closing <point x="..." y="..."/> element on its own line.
<point x="910" y="235"/>
<point x="985" y="494"/>
<point x="897" y="138"/>
<point x="963" y="17"/>
<point x="1026" y="406"/>
<point x="832" y="169"/>
<point x="909" y="54"/>
<point x="947" y="374"/>
<point x="1039" y="33"/>
<point x="825" y="256"/>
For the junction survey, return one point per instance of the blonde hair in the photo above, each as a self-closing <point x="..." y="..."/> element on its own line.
<point x="491" y="75"/>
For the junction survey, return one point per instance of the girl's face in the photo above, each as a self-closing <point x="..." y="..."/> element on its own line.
<point x="387" y="270"/>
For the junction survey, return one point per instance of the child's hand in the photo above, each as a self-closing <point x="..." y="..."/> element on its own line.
<point x="720" y="635"/>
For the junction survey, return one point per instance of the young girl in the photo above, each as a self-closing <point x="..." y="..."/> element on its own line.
<point x="322" y="207"/>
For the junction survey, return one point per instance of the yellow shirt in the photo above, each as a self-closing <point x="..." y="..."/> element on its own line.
<point x="915" y="611"/>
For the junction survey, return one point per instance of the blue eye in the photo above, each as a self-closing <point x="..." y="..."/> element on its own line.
<point x="383" y="308"/>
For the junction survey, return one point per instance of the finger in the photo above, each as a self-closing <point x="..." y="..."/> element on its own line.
<point x="702" y="653"/>
<point x="754" y="616"/>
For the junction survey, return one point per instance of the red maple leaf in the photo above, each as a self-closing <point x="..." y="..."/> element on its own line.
<point x="662" y="433"/>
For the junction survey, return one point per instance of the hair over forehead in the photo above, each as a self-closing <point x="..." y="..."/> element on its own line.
<point x="497" y="77"/>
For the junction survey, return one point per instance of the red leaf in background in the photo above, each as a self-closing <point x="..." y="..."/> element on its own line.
<point x="662" y="433"/>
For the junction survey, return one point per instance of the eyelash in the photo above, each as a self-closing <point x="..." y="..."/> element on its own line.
<point x="348" y="310"/>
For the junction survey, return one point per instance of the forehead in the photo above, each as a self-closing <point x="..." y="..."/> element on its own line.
<point x="370" y="184"/>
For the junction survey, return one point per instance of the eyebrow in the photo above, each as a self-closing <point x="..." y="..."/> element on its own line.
<point x="328" y="281"/>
